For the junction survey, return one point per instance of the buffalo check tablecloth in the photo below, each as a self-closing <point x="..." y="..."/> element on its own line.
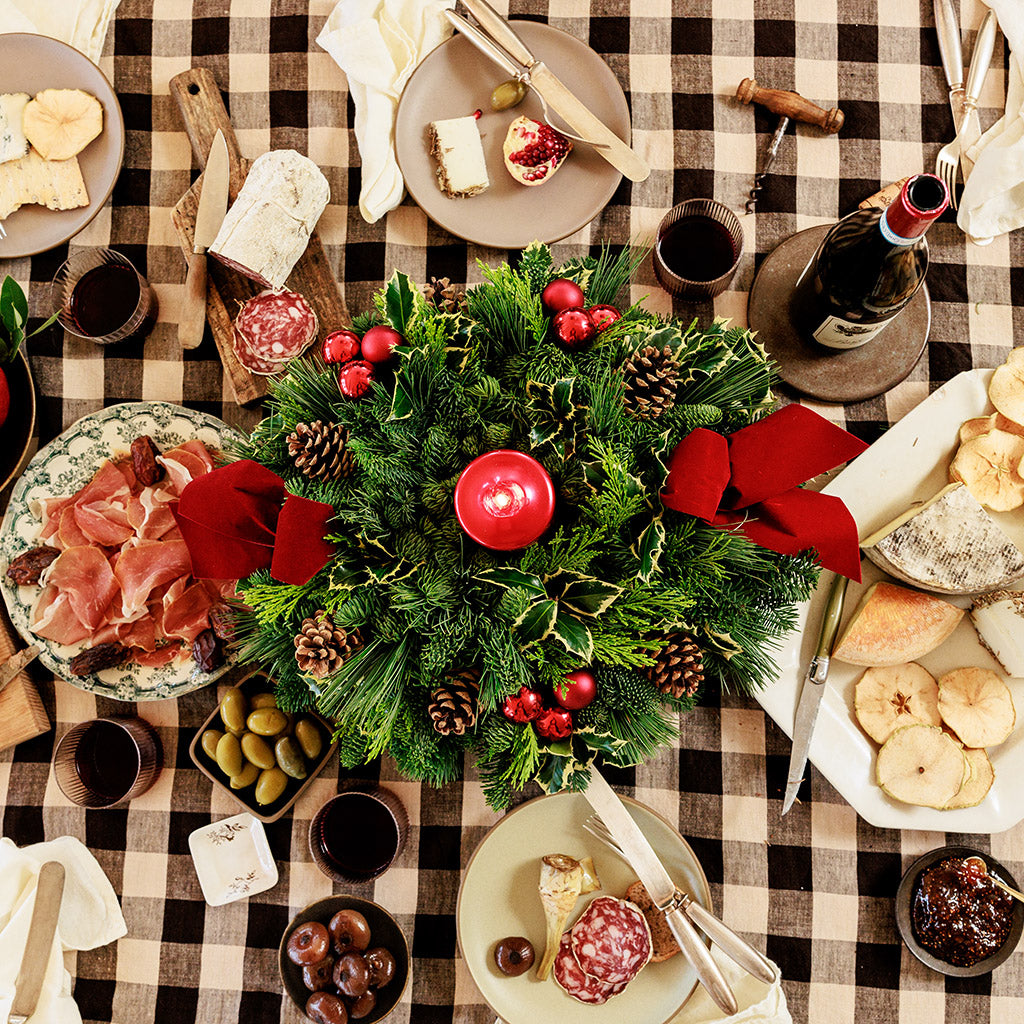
<point x="813" y="889"/>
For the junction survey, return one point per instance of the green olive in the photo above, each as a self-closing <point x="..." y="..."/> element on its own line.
<point x="267" y="721"/>
<point x="289" y="757"/>
<point x="229" y="754"/>
<point x="309" y="738"/>
<point x="233" y="709"/>
<point x="508" y="94"/>
<point x="257" y="750"/>
<point x="270" y="786"/>
<point x="263" y="700"/>
<point x="246" y="777"/>
<point x="209" y="742"/>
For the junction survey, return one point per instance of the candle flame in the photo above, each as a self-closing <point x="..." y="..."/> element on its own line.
<point x="503" y="498"/>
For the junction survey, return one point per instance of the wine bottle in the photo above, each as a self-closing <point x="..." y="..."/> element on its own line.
<point x="867" y="268"/>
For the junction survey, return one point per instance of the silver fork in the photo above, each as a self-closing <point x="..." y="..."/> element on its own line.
<point x="736" y="948"/>
<point x="946" y="163"/>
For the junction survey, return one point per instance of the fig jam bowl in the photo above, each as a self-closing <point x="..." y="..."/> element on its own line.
<point x="953" y="918"/>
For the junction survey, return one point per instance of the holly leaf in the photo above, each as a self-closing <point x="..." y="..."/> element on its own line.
<point x="648" y="548"/>
<point x="401" y="404"/>
<point x="400" y="298"/>
<point x="512" y="579"/>
<point x="590" y="597"/>
<point x="13" y="314"/>
<point x="574" y="636"/>
<point x="537" y="621"/>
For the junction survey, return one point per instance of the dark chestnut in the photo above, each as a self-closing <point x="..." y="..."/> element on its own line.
<point x="317" y="977"/>
<point x="352" y="974"/>
<point x="514" y="955"/>
<point x="349" y="930"/>
<point x="308" y="944"/>
<point x="359" y="1008"/>
<point x="325" y="1008"/>
<point x="381" y="964"/>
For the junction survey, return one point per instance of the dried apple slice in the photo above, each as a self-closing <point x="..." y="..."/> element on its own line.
<point x="976" y="788"/>
<point x="920" y="764"/>
<point x="976" y="704"/>
<point x="60" y="123"/>
<point x="983" y="424"/>
<point x="891" y="696"/>
<point x="1006" y="389"/>
<point x="989" y="466"/>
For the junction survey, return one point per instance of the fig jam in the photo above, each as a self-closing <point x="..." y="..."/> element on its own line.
<point x="958" y="913"/>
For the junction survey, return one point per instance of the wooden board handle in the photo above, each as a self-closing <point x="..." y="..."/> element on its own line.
<point x="791" y="105"/>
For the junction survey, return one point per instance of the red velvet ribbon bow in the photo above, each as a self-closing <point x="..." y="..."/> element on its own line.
<point x="240" y="518"/>
<point x="750" y="480"/>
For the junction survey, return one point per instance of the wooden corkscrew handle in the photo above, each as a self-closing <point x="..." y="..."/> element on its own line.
<point x="791" y="105"/>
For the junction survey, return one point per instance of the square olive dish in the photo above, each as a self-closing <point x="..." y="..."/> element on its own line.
<point x="250" y="688"/>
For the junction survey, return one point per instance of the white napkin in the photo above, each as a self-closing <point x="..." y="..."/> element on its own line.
<point x="758" y="1003"/>
<point x="89" y="917"/>
<point x="378" y="44"/>
<point x="82" y="23"/>
<point x="993" y="198"/>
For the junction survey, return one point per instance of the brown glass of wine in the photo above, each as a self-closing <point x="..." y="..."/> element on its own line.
<point x="357" y="834"/>
<point x="99" y="295"/>
<point x="697" y="249"/>
<point x="107" y="761"/>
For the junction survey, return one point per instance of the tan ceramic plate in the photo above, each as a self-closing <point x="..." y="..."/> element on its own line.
<point x="456" y="79"/>
<point x="31" y="63"/>
<point x="499" y="897"/>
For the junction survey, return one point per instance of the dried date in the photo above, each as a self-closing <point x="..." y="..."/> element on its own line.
<point x="222" y="621"/>
<point x="97" y="658"/>
<point x="26" y="569"/>
<point x="144" y="452"/>
<point x="208" y="651"/>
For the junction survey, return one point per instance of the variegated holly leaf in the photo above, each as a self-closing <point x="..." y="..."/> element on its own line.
<point x="648" y="548"/>
<point x="537" y="621"/>
<point x="512" y="579"/>
<point x="401" y="404"/>
<point x="401" y="298"/>
<point x="573" y="635"/>
<point x="589" y="597"/>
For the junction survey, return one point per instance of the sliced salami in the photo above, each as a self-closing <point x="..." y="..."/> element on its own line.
<point x="276" y="325"/>
<point x="571" y="977"/>
<point x="252" y="362"/>
<point x="612" y="940"/>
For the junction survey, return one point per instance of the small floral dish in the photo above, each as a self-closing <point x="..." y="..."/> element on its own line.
<point x="232" y="859"/>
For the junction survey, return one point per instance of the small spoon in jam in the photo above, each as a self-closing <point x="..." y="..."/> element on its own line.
<point x="981" y="868"/>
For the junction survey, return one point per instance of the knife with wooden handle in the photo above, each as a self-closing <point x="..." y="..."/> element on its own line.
<point x="45" y="911"/>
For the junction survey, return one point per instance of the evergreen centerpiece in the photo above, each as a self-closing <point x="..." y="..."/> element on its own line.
<point x="587" y="642"/>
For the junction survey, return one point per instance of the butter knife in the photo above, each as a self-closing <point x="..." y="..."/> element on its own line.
<point x="981" y="59"/>
<point x="41" y="929"/>
<point x="814" y="689"/>
<point x="660" y="887"/>
<point x="947" y="25"/>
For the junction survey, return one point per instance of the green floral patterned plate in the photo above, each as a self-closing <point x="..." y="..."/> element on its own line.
<point x="61" y="468"/>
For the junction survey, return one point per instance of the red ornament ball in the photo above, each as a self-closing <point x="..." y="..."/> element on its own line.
<point x="576" y="690"/>
<point x="379" y="342"/>
<point x="561" y="294"/>
<point x="523" y="706"/>
<point x="355" y="378"/>
<point x="574" y="328"/>
<point x="554" y="724"/>
<point x="604" y="316"/>
<point x="340" y="347"/>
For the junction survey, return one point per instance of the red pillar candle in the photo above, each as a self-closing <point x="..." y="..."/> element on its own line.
<point x="504" y="500"/>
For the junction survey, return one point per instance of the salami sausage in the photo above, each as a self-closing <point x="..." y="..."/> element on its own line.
<point x="571" y="977"/>
<point x="612" y="940"/>
<point x="252" y="362"/>
<point x="276" y="325"/>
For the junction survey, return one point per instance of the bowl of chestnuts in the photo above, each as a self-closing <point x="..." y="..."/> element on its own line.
<point x="344" y="959"/>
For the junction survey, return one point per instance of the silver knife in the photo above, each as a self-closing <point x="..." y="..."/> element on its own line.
<point x="660" y="888"/>
<point x="45" y="911"/>
<point x="981" y="59"/>
<point x="556" y="94"/>
<point x="947" y="25"/>
<point x="213" y="204"/>
<point x="814" y="689"/>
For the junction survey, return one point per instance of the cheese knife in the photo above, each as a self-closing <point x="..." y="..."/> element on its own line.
<point x="947" y="25"/>
<point x="15" y="663"/>
<point x="814" y="689"/>
<point x="41" y="929"/>
<point x="660" y="887"/>
<point x="213" y="204"/>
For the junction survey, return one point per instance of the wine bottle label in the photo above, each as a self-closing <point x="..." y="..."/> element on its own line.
<point x="838" y="333"/>
<point x="889" y="235"/>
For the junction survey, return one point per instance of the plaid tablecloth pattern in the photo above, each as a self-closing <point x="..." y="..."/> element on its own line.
<point x="813" y="889"/>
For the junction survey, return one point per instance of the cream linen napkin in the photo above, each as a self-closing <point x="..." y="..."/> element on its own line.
<point x="82" y="23"/>
<point x="993" y="198"/>
<point x="89" y="917"/>
<point x="378" y="44"/>
<point x="758" y="1003"/>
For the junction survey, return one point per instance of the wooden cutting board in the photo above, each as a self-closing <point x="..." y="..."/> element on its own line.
<point x="22" y="715"/>
<point x="202" y="108"/>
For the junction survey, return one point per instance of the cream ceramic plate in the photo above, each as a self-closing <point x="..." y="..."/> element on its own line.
<point x="456" y="79"/>
<point x="31" y="63"/>
<point x="232" y="859"/>
<point x="499" y="897"/>
<point x="907" y="464"/>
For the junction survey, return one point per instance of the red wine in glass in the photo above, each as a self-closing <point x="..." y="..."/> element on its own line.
<point x="358" y="836"/>
<point x="107" y="761"/>
<point x="697" y="248"/>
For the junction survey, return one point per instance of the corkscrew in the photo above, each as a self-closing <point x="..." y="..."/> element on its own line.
<point x="790" y="106"/>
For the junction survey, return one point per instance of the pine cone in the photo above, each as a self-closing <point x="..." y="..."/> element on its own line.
<point x="320" y="451"/>
<point x="442" y="293"/>
<point x="652" y="379"/>
<point x="321" y="646"/>
<point x="679" y="667"/>
<point x="453" y="705"/>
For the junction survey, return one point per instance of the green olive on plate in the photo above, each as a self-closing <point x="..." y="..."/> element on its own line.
<point x="267" y="721"/>
<point x="507" y="94"/>
<point x="246" y="777"/>
<point x="270" y="786"/>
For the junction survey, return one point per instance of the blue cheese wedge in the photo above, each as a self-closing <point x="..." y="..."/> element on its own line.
<point x="55" y="184"/>
<point x="949" y="545"/>
<point x="13" y="143"/>
<point x="999" y="619"/>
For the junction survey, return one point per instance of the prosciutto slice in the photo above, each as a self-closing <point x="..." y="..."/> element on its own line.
<point x="146" y="565"/>
<point x="54" y="619"/>
<point x="85" y="576"/>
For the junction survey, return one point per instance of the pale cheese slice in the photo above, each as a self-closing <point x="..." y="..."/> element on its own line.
<point x="55" y="184"/>
<point x="950" y="545"/>
<point x="999" y="619"/>
<point x="13" y="143"/>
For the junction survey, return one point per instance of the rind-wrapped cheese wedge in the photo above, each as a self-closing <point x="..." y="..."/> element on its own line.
<point x="999" y="619"/>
